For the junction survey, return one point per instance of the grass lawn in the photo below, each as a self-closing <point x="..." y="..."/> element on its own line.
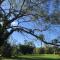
<point x="36" y="57"/>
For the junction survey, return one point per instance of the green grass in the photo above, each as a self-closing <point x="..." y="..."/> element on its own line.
<point x="41" y="57"/>
<point x="38" y="57"/>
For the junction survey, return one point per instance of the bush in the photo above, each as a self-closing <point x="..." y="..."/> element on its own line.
<point x="42" y="51"/>
<point x="49" y="50"/>
<point x="26" y="49"/>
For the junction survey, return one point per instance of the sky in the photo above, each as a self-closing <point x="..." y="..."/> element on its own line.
<point x="52" y="33"/>
<point x="49" y="35"/>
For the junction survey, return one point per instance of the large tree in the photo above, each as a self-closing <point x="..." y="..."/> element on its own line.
<point x="37" y="13"/>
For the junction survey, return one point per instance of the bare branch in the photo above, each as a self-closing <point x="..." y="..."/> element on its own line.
<point x="31" y="32"/>
<point x="1" y="1"/>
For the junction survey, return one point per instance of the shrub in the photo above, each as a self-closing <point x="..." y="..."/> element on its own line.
<point x="42" y="51"/>
<point x="26" y="49"/>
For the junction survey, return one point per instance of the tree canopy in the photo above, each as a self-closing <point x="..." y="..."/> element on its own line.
<point x="34" y="13"/>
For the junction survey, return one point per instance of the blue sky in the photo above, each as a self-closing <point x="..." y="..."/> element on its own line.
<point x="52" y="33"/>
<point x="49" y="35"/>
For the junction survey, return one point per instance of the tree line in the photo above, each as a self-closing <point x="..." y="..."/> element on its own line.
<point x="8" y="51"/>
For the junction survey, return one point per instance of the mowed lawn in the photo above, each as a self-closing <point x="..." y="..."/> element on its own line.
<point x="36" y="57"/>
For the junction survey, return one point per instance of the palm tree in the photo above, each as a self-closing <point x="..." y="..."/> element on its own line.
<point x="55" y="41"/>
<point x="41" y="38"/>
